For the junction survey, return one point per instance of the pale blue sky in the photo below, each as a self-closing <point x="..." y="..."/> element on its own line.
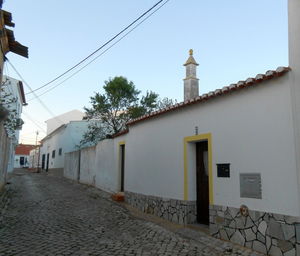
<point x="232" y="40"/>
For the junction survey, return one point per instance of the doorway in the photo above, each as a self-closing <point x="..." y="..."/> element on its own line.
<point x="43" y="161"/>
<point x="47" y="163"/>
<point x="202" y="182"/>
<point x="122" y="155"/>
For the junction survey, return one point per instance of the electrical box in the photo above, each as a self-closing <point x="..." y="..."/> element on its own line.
<point x="250" y="185"/>
<point x="223" y="170"/>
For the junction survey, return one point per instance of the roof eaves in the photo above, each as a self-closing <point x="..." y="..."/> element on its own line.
<point x="52" y="133"/>
<point x="120" y="133"/>
<point x="7" y="17"/>
<point x="218" y="92"/>
<point x="15" y="46"/>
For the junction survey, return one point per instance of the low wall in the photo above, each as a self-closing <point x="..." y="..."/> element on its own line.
<point x="94" y="166"/>
<point x="72" y="165"/>
<point x="107" y="177"/>
<point x="87" y="166"/>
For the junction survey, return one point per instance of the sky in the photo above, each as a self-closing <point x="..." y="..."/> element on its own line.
<point x="232" y="40"/>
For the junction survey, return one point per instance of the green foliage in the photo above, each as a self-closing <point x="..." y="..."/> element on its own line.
<point x="118" y="104"/>
<point x="8" y="112"/>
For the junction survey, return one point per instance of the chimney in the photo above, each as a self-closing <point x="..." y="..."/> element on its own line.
<point x="191" y="82"/>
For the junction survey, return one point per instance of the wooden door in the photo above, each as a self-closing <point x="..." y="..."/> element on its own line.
<point x="202" y="182"/>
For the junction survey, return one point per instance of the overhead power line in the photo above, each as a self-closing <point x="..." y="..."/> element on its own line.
<point x="28" y="86"/>
<point x="34" y="122"/>
<point x="98" y="49"/>
<point x="102" y="53"/>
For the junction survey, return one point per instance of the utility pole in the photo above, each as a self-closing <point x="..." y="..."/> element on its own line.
<point x="37" y="167"/>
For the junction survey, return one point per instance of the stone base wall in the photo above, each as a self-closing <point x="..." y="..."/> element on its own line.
<point x="271" y="234"/>
<point x="177" y="211"/>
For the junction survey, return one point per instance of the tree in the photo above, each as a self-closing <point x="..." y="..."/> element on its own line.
<point x="8" y="112"/>
<point x="120" y="103"/>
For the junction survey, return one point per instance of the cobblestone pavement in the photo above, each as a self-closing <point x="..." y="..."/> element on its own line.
<point x="50" y="215"/>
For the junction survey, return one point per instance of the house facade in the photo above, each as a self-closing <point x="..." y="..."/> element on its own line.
<point x="13" y="92"/>
<point x="63" y="139"/>
<point x="34" y="156"/>
<point x="8" y="44"/>
<point x="22" y="155"/>
<point x="54" y="123"/>
<point x="228" y="159"/>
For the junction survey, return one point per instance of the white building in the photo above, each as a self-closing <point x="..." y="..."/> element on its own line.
<point x="63" y="139"/>
<point x="54" y="123"/>
<point x="22" y="155"/>
<point x="34" y="159"/>
<point x="229" y="159"/>
<point x="13" y="92"/>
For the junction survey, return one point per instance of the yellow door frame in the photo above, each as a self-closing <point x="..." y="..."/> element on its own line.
<point x="196" y="138"/>
<point x="119" y="160"/>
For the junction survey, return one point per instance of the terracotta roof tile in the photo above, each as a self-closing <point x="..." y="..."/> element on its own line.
<point x="218" y="92"/>
<point x="24" y="149"/>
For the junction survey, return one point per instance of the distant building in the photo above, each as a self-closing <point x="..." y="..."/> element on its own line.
<point x="54" y="123"/>
<point x="22" y="155"/>
<point x="34" y="162"/>
<point x="64" y="139"/>
<point x="13" y="91"/>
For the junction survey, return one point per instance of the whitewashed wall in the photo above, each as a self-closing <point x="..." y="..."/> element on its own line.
<point x="54" y="123"/>
<point x="71" y="165"/>
<point x="87" y="166"/>
<point x="17" y="161"/>
<point x="99" y="166"/>
<point x="251" y="129"/>
<point x="12" y="88"/>
<point x="294" y="75"/>
<point x="107" y="162"/>
<point x="67" y="138"/>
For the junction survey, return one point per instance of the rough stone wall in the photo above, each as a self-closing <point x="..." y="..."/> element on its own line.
<point x="272" y="234"/>
<point x="177" y="211"/>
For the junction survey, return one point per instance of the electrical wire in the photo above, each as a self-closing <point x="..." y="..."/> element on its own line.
<point x="102" y="53"/>
<point x="98" y="49"/>
<point x="28" y="86"/>
<point x="36" y="124"/>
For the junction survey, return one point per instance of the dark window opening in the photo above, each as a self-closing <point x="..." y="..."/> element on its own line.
<point x="53" y="154"/>
<point x="60" y="151"/>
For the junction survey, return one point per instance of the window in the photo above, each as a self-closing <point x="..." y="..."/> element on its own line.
<point x="53" y="154"/>
<point x="60" y="151"/>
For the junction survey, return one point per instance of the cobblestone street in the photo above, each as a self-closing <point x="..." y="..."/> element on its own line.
<point x="49" y="215"/>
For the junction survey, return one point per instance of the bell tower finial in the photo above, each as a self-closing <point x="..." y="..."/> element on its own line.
<point x="191" y="82"/>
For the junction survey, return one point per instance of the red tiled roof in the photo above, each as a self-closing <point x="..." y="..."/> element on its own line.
<point x="24" y="149"/>
<point x="120" y="133"/>
<point x="219" y="92"/>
